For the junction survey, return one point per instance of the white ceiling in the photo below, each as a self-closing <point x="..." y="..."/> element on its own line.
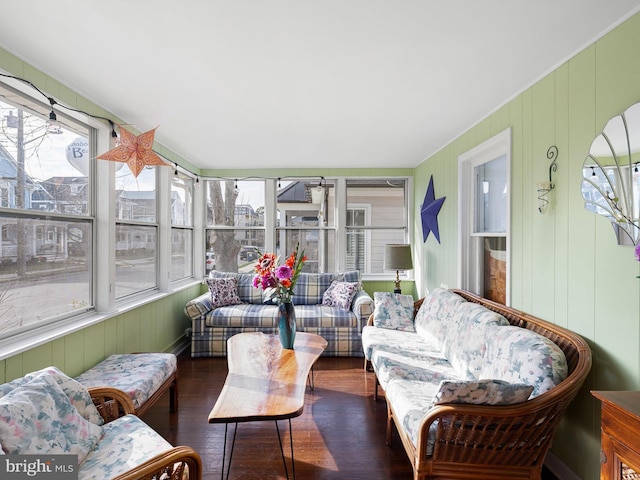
<point x="301" y="83"/>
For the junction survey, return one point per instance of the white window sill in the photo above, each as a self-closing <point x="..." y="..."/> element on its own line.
<point x="37" y="336"/>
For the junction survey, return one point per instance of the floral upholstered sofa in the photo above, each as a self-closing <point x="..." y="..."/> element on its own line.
<point x="48" y="413"/>
<point x="332" y="305"/>
<point x="475" y="389"/>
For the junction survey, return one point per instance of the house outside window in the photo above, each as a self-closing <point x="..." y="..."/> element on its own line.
<point x="306" y="217"/>
<point x="136" y="231"/>
<point x="45" y="216"/>
<point x="377" y="215"/>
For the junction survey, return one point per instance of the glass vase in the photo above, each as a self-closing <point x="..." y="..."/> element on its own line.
<point x="287" y="324"/>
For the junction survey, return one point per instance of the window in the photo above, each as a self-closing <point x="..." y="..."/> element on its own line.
<point x="376" y="216"/>
<point x="46" y="218"/>
<point x="484" y="206"/>
<point x="136" y="231"/>
<point x="306" y="216"/>
<point x="235" y="216"/>
<point x="241" y="219"/>
<point x="181" y="226"/>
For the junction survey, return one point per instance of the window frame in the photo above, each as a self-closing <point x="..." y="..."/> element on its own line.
<point x="102" y="198"/>
<point x="369" y="229"/>
<point x="187" y="225"/>
<point x="470" y="250"/>
<point x="43" y="229"/>
<point x="339" y="227"/>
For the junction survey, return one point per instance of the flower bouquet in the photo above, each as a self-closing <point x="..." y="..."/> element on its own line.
<point x="278" y="283"/>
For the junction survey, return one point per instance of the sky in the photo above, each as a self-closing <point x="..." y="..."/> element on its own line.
<point x="62" y="153"/>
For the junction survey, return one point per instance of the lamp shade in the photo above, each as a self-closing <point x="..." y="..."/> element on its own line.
<point x="397" y="257"/>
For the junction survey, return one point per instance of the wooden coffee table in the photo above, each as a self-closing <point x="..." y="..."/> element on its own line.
<point x="265" y="382"/>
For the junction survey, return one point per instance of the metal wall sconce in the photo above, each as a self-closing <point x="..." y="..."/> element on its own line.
<point x="544" y="188"/>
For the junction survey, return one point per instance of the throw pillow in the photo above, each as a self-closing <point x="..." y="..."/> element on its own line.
<point x="340" y="294"/>
<point x="38" y="418"/>
<point x="224" y="291"/>
<point x="435" y="316"/>
<point x="393" y="311"/>
<point x="482" y="392"/>
<point x="77" y="393"/>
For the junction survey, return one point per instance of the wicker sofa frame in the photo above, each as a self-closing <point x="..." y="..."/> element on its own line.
<point x="476" y="442"/>
<point x="179" y="463"/>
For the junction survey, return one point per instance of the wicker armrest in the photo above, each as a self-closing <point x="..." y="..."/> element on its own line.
<point x="492" y="434"/>
<point x="111" y="402"/>
<point x="179" y="463"/>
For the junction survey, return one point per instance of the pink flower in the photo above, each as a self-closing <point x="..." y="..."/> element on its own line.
<point x="284" y="272"/>
<point x="638" y="252"/>
<point x="268" y="281"/>
<point x="280" y="280"/>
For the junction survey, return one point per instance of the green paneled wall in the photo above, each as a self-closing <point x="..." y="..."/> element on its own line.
<point x="565" y="265"/>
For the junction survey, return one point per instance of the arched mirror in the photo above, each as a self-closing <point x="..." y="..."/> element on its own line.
<point x="611" y="176"/>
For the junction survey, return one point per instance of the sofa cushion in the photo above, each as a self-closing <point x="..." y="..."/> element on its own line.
<point x="38" y="418"/>
<point x="139" y="375"/>
<point x="391" y="366"/>
<point x="482" y="392"/>
<point x="398" y="354"/>
<point x="393" y="311"/>
<point x="435" y="315"/>
<point x="310" y="288"/>
<point x="518" y="355"/>
<point x="127" y="442"/>
<point x="266" y="316"/>
<point x="401" y="341"/>
<point x="75" y="391"/>
<point x="224" y="291"/>
<point x="465" y="343"/>
<point x="340" y="294"/>
<point x="411" y="401"/>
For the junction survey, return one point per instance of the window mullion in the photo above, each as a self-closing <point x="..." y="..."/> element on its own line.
<point x="163" y="245"/>
<point x="105" y="233"/>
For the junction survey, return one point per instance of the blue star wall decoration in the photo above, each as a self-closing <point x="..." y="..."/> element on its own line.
<point x="429" y="212"/>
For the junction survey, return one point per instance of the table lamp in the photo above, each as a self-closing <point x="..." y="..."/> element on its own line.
<point x="397" y="257"/>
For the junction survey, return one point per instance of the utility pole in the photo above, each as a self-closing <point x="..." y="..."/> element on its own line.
<point x="21" y="260"/>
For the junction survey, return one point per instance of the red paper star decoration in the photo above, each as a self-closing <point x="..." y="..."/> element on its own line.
<point x="134" y="151"/>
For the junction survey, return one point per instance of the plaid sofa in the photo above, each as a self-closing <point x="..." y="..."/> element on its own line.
<point x="342" y="329"/>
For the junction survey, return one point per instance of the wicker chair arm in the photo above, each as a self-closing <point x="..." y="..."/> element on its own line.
<point x="490" y="434"/>
<point x="111" y="402"/>
<point x="179" y="463"/>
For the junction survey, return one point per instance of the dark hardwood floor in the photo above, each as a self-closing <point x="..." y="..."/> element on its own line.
<point x="340" y="434"/>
